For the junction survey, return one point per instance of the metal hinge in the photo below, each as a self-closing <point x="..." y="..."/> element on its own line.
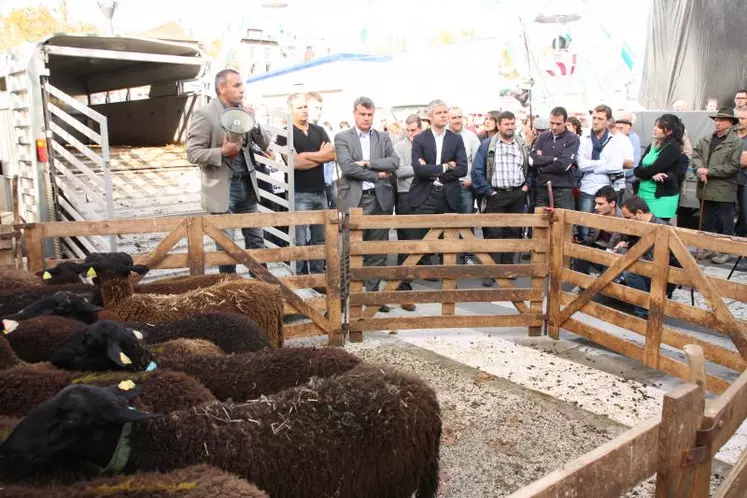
<point x="703" y="442"/>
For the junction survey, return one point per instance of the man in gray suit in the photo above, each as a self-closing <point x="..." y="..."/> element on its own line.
<point x="229" y="182"/>
<point x="366" y="159"/>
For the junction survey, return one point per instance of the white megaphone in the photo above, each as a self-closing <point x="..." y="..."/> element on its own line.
<point x="237" y="122"/>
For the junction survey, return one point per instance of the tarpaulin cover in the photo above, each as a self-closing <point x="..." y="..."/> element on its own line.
<point x="695" y="51"/>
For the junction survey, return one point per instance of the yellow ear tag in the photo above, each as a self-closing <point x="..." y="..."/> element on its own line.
<point x="138" y="334"/>
<point x="91" y="272"/>
<point x="124" y="359"/>
<point x="126" y="385"/>
<point x="46" y="275"/>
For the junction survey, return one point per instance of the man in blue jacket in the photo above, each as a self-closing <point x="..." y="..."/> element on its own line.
<point x="553" y="155"/>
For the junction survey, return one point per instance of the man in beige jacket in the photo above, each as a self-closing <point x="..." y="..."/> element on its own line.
<point x="229" y="182"/>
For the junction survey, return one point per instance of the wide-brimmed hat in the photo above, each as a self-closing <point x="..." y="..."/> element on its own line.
<point x="726" y="113"/>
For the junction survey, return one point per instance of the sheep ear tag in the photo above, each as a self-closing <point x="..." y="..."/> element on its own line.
<point x="91" y="272"/>
<point x="126" y="385"/>
<point x="114" y="352"/>
<point x="151" y="366"/>
<point x="138" y="335"/>
<point x="46" y="275"/>
<point x="9" y="326"/>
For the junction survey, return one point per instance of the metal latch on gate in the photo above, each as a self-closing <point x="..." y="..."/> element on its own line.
<point x="703" y="442"/>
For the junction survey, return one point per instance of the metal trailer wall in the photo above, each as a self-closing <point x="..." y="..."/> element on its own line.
<point x="695" y="51"/>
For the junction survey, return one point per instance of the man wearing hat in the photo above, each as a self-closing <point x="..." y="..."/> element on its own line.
<point x="715" y="161"/>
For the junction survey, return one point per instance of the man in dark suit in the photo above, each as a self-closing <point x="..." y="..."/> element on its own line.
<point x="366" y="158"/>
<point x="439" y="159"/>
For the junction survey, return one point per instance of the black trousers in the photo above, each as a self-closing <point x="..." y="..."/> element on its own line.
<point x="563" y="198"/>
<point x="718" y="215"/>
<point x="504" y="202"/>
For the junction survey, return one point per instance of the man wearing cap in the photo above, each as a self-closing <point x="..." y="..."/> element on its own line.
<point x="625" y="127"/>
<point x="715" y="161"/>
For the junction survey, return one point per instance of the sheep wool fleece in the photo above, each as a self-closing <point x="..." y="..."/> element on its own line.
<point x="258" y="300"/>
<point x="199" y="481"/>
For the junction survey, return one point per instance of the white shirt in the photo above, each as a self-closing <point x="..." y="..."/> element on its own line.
<point x="439" y="148"/>
<point x="610" y="162"/>
<point x="439" y="143"/>
<point x="365" y="139"/>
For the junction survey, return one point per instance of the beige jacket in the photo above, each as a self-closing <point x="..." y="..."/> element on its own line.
<point x="204" y="142"/>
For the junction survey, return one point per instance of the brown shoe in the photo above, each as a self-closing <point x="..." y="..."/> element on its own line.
<point x="408" y="306"/>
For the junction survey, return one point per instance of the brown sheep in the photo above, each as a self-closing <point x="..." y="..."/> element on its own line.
<point x="25" y="386"/>
<point x="369" y="433"/>
<point x="182" y="349"/>
<point x="260" y="301"/>
<point x="8" y="357"/>
<point x="198" y="481"/>
<point x="180" y="285"/>
<point x="13" y="280"/>
<point x="35" y="339"/>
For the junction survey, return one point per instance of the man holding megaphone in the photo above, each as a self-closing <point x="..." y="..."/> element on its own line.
<point x="219" y="140"/>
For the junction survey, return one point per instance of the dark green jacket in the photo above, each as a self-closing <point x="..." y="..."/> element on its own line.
<point x="723" y="167"/>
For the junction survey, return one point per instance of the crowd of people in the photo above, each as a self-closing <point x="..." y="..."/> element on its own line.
<point x="442" y="165"/>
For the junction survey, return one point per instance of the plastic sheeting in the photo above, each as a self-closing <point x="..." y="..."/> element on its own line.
<point x="695" y="51"/>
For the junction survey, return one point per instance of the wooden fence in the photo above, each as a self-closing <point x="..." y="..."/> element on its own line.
<point x="678" y="447"/>
<point x="453" y="235"/>
<point x="324" y="313"/>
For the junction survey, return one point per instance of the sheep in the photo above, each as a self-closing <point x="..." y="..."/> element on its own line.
<point x="14" y="280"/>
<point x="180" y="285"/>
<point x="369" y="433"/>
<point x="24" y="387"/>
<point x="177" y="349"/>
<point x="65" y="272"/>
<point x="8" y="357"/>
<point x="111" y="346"/>
<point x="14" y="301"/>
<point x="197" y="481"/>
<point x="61" y="303"/>
<point x="261" y="301"/>
<point x="36" y="339"/>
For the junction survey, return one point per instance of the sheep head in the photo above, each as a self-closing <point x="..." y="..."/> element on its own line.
<point x="62" y="303"/>
<point x="111" y="265"/>
<point x="105" y="345"/>
<point x="64" y="273"/>
<point x="79" y="426"/>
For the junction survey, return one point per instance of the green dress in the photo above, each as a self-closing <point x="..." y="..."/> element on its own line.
<point x="662" y="207"/>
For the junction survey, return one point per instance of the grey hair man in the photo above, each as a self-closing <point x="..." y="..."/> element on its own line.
<point x="367" y="160"/>
<point x="229" y="181"/>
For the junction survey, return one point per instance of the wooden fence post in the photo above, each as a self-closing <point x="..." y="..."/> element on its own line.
<point x="34" y="247"/>
<point x="539" y="258"/>
<point x="332" y="246"/>
<point x="449" y="309"/>
<point x="682" y="412"/>
<point x="195" y="247"/>
<point x="657" y="297"/>
<point x="356" y="235"/>
<point x="560" y="233"/>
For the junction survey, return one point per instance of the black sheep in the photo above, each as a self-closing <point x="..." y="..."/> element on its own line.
<point x="61" y="303"/>
<point x="369" y="433"/>
<point x="111" y="346"/>
<point x="197" y="481"/>
<point x="65" y="272"/>
<point x="25" y="386"/>
<point x="14" y="301"/>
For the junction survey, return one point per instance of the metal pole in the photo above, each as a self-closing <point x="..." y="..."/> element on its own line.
<point x="51" y="180"/>
<point x="106" y="168"/>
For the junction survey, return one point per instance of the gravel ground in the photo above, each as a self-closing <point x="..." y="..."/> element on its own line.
<point x="497" y="436"/>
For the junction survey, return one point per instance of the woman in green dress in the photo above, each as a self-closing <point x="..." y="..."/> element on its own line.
<point x="662" y="167"/>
